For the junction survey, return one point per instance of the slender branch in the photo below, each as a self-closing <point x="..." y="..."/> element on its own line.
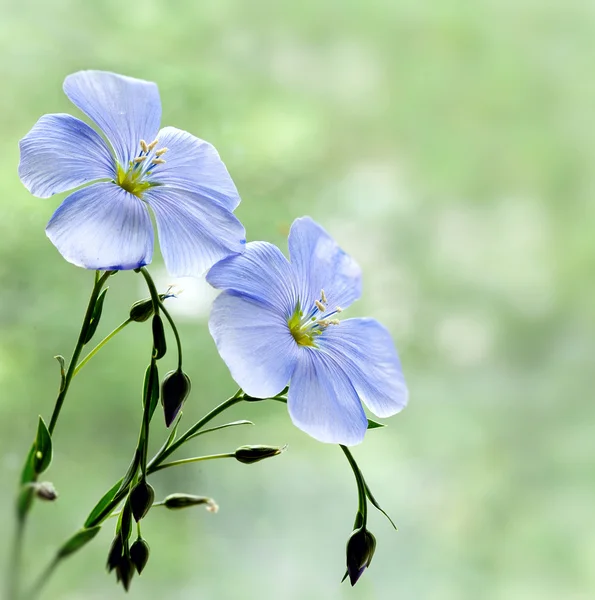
<point x="361" y="484"/>
<point x="187" y="461"/>
<point x="12" y="589"/>
<point x="42" y="580"/>
<point x="101" y="344"/>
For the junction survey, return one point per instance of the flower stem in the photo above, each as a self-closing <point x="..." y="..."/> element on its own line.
<point x="42" y="580"/>
<point x="12" y="590"/>
<point x="361" y="485"/>
<point x="101" y="344"/>
<point x="187" y="461"/>
<point x="99" y="282"/>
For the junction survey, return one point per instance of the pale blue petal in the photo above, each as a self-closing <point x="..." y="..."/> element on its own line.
<point x="103" y="227"/>
<point x="61" y="153"/>
<point x="194" y="231"/>
<point x="254" y="342"/>
<point x="367" y="354"/>
<point x="125" y="109"/>
<point x="321" y="265"/>
<point x="322" y="401"/>
<point x="261" y="273"/>
<point x="194" y="165"/>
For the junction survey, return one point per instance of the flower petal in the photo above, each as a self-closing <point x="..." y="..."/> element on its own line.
<point x="60" y="153"/>
<point x="321" y="264"/>
<point x="322" y="401"/>
<point x="194" y="165"/>
<point x="194" y="231"/>
<point x="103" y="227"/>
<point x="367" y="354"/>
<point x="254" y="342"/>
<point x="125" y="109"/>
<point x="261" y="273"/>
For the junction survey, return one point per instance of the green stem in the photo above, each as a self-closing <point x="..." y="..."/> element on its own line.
<point x="12" y="589"/>
<point x="42" y="580"/>
<point x="361" y="485"/>
<point x="187" y="461"/>
<point x="99" y="282"/>
<point x="101" y="344"/>
<point x="157" y="304"/>
<point x="166" y="451"/>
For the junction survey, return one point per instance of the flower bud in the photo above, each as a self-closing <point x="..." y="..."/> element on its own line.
<point x="139" y="554"/>
<point x="124" y="572"/>
<point x="177" y="501"/>
<point x="142" y="310"/>
<point x="360" y="550"/>
<point x="115" y="553"/>
<point x="174" y="390"/>
<point x="45" y="490"/>
<point x="159" y="343"/>
<point x="141" y="499"/>
<point x="252" y="454"/>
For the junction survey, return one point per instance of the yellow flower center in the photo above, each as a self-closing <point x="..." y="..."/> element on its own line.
<point x="134" y="178"/>
<point x="305" y="329"/>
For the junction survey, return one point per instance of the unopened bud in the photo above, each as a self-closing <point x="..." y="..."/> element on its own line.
<point x="174" y="390"/>
<point x="124" y="572"/>
<point x="252" y="454"/>
<point x="177" y="501"/>
<point x="45" y="490"/>
<point x="360" y="550"/>
<point x="139" y="554"/>
<point x="159" y="343"/>
<point x="141" y="499"/>
<point x="115" y="553"/>
<point x="142" y="310"/>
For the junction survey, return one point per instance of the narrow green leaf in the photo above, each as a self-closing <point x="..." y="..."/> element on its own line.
<point x="374" y="424"/>
<point x="173" y="432"/>
<point x="92" y="328"/>
<point x="375" y="503"/>
<point x="232" y="424"/>
<point x="28" y="473"/>
<point x="96" y="515"/>
<point x="62" y="364"/>
<point x="43" y="448"/>
<point x="77" y="541"/>
<point x="131" y="473"/>
<point x="159" y="343"/>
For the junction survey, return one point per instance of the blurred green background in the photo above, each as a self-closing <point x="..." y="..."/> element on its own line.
<point x="449" y="146"/>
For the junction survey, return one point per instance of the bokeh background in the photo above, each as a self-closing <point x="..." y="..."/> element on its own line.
<point x="449" y="146"/>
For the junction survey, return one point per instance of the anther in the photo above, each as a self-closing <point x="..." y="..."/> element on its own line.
<point x="157" y="161"/>
<point x="323" y="323"/>
<point x="139" y="159"/>
<point x="152" y="144"/>
<point x="160" y="151"/>
<point x="320" y="306"/>
<point x="144" y="146"/>
<point x="323" y="296"/>
<point x="334" y="322"/>
<point x="338" y="309"/>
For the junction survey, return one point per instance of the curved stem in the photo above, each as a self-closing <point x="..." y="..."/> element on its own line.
<point x="99" y="281"/>
<point x="361" y="485"/>
<point x="187" y="461"/>
<point x="101" y="344"/>
<point x="176" y="334"/>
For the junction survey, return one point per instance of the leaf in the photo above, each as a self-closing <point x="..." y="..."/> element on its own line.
<point x="159" y="343"/>
<point x="28" y="473"/>
<point x="232" y="424"/>
<point x="375" y="424"/>
<point x="375" y="503"/>
<point x="96" y="515"/>
<point x="62" y="363"/>
<point x="78" y="540"/>
<point x="43" y="448"/>
<point x="151" y="388"/>
<point x="97" y="310"/>
<point x="173" y="432"/>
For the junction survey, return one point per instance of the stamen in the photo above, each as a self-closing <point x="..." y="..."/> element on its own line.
<point x="152" y="145"/>
<point x="157" y="161"/>
<point x="139" y="159"/>
<point x="323" y="323"/>
<point x="320" y="306"/>
<point x="161" y="151"/>
<point x="144" y="146"/>
<point x="334" y="322"/>
<point x="338" y="309"/>
<point x="323" y="296"/>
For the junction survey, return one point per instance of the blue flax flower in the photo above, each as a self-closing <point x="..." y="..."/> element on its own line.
<point x="106" y="224"/>
<point x="276" y="322"/>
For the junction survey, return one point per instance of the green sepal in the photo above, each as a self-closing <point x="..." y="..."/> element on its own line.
<point x="375" y="424"/>
<point x="375" y="503"/>
<point x="77" y="541"/>
<point x="62" y="364"/>
<point x="151" y="388"/>
<point x="43" y="448"/>
<point x="97" y="310"/>
<point x="97" y="514"/>
<point x="159" y="342"/>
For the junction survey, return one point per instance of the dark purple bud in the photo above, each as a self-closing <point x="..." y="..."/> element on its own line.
<point x="141" y="499"/>
<point x="115" y="553"/>
<point x="124" y="572"/>
<point x="174" y="391"/>
<point x="252" y="454"/>
<point x="139" y="554"/>
<point x="360" y="550"/>
<point x="159" y="343"/>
